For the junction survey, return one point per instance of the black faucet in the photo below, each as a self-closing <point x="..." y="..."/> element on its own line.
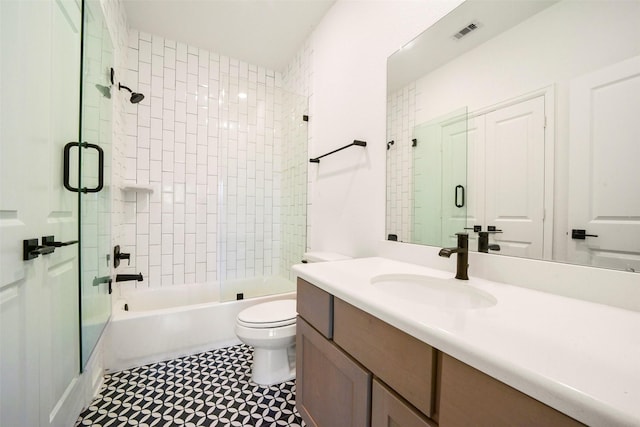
<point x="483" y="243"/>
<point x="463" y="255"/>
<point x="127" y="277"/>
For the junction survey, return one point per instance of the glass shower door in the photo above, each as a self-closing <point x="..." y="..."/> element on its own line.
<point x="262" y="188"/>
<point x="95" y="173"/>
<point x="440" y="179"/>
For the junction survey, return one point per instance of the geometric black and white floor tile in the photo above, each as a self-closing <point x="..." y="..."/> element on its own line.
<point x="207" y="389"/>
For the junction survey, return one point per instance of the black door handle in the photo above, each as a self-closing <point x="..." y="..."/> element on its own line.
<point x="31" y="249"/>
<point x="581" y="234"/>
<point x="67" y="153"/>
<point x="50" y="241"/>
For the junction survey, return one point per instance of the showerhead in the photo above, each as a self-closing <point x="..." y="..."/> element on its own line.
<point x="135" y="97"/>
<point x="104" y="90"/>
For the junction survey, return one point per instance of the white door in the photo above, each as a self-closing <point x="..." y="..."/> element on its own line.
<point x="475" y="191"/>
<point x="514" y="170"/>
<point x="604" y="173"/>
<point x="39" y="79"/>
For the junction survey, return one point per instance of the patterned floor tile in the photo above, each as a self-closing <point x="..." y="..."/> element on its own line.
<point x="207" y="389"/>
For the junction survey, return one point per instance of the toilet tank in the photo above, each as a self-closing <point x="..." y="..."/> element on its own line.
<point x="323" y="257"/>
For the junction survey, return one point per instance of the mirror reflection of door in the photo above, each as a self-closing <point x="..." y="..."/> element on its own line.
<point x="506" y="177"/>
<point x="604" y="158"/>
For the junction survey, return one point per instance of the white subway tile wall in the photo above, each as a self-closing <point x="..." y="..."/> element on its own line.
<point x="400" y="123"/>
<point x="116" y="21"/>
<point x="212" y="137"/>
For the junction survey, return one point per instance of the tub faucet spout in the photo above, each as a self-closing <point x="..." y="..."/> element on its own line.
<point x="462" y="250"/>
<point x="127" y="277"/>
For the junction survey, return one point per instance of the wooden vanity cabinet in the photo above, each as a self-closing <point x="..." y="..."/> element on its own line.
<point x="355" y="370"/>
<point x="332" y="390"/>
<point x="469" y="396"/>
<point x="333" y="387"/>
<point x="388" y="409"/>
<point x="316" y="307"/>
<point x="403" y="362"/>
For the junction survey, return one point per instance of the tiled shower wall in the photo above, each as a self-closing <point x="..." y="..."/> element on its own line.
<point x="207" y="140"/>
<point x="401" y="107"/>
<point x="116" y="20"/>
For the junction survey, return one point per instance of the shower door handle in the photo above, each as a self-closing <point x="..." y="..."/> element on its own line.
<point x="67" y="153"/>
<point x="459" y="202"/>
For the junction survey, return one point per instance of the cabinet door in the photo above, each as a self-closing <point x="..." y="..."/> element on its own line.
<point x="403" y="362"/>
<point x="389" y="410"/>
<point x="332" y="389"/>
<point x="316" y="307"/>
<point x="470" y="397"/>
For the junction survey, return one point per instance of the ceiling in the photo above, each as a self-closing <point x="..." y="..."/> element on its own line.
<point x="261" y="32"/>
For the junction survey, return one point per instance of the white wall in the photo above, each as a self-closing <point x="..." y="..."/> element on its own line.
<point x="351" y="46"/>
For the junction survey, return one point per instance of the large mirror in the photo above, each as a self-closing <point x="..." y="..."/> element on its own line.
<point x="550" y="94"/>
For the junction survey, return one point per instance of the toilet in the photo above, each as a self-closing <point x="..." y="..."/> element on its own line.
<point x="270" y="328"/>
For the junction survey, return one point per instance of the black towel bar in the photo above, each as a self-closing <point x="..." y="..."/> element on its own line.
<point x="355" y="142"/>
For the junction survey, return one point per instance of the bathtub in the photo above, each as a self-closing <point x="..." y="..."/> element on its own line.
<point x="164" y="323"/>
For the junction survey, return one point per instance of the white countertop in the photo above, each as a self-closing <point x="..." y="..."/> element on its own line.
<point x="579" y="357"/>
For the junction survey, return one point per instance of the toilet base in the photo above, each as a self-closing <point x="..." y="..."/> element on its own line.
<point x="273" y="366"/>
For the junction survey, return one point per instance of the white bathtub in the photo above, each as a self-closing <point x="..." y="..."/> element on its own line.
<point x="174" y="321"/>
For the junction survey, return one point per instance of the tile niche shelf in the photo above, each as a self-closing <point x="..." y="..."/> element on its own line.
<point x="138" y="188"/>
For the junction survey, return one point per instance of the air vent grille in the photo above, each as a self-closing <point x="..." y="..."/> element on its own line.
<point x="466" y="30"/>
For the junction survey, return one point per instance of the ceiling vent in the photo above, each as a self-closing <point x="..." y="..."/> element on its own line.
<point x="466" y="30"/>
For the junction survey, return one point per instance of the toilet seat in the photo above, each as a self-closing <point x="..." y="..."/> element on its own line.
<point x="271" y="314"/>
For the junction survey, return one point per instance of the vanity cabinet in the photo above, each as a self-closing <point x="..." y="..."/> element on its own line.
<point x="468" y="394"/>
<point x="339" y="349"/>
<point x="388" y="409"/>
<point x="335" y="390"/>
<point x="403" y="362"/>
<point x="354" y="369"/>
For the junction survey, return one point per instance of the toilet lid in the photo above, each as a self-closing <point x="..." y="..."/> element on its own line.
<point x="269" y="314"/>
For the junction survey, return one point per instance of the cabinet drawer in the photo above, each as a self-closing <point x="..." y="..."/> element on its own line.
<point x="403" y="362"/>
<point x="389" y="410"/>
<point x="468" y="396"/>
<point x="316" y="307"/>
<point x="332" y="390"/>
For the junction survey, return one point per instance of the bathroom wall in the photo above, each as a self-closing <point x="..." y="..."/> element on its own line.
<point x="350" y="50"/>
<point x="208" y="141"/>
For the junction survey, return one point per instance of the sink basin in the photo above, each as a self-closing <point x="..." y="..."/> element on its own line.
<point x="440" y="292"/>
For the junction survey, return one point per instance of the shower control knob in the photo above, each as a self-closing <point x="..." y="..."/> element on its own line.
<point x="117" y="256"/>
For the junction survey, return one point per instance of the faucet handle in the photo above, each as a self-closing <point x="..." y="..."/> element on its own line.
<point x="493" y="229"/>
<point x="475" y="228"/>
